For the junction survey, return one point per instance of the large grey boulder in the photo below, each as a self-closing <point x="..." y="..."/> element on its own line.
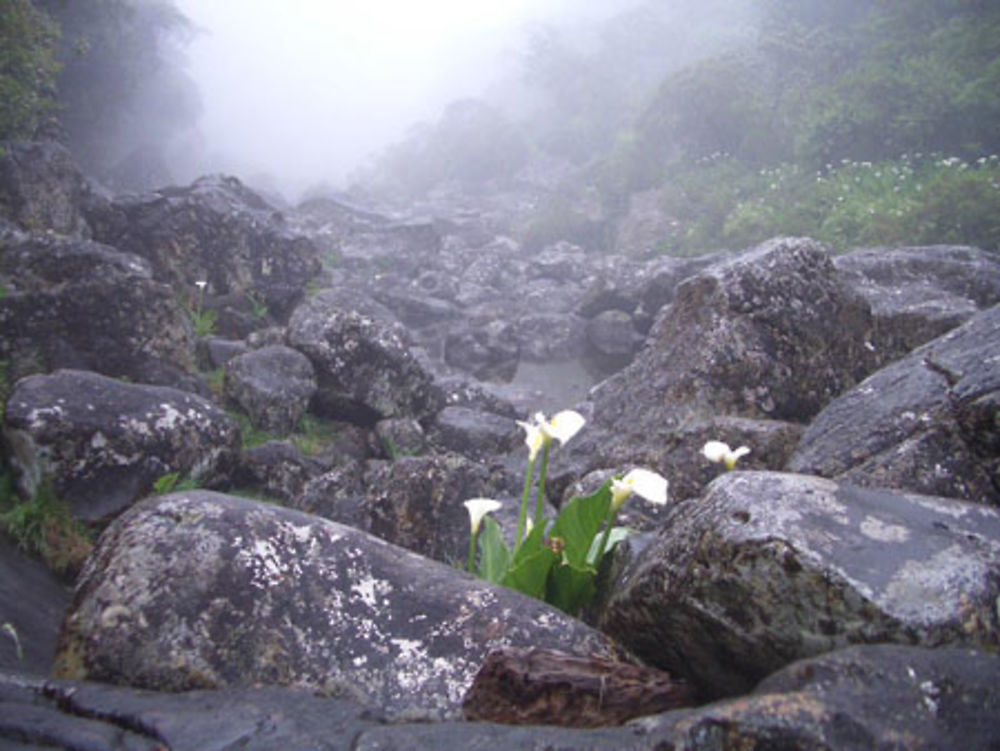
<point x="273" y="385"/>
<point x="768" y="568"/>
<point x="858" y="699"/>
<point x="773" y="333"/>
<point x="217" y="230"/>
<point x="365" y="371"/>
<point x="918" y="294"/>
<point x="104" y="443"/>
<point x="926" y="423"/>
<point x="202" y="590"/>
<point x="416" y="501"/>
<point x="41" y="187"/>
<point x="73" y="303"/>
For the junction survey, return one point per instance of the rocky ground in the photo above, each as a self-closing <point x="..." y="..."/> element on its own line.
<point x="321" y="387"/>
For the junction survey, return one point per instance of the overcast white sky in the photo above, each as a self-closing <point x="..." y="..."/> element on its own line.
<point x="305" y="90"/>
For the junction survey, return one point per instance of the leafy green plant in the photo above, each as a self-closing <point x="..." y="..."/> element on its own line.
<point x="27" y="68"/>
<point x="174" y="482"/>
<point x="203" y="320"/>
<point x="555" y="560"/>
<point x="44" y="526"/>
<point x="313" y="434"/>
<point x="251" y="435"/>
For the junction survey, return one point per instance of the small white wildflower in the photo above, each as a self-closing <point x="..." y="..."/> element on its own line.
<point x="644" y="483"/>
<point x="479" y="508"/>
<point x="717" y="451"/>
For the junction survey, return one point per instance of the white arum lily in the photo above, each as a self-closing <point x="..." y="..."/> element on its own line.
<point x="478" y="508"/>
<point x="538" y="435"/>
<point x="644" y="483"/>
<point x="717" y="451"/>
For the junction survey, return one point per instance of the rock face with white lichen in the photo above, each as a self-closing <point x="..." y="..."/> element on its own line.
<point x="203" y="590"/>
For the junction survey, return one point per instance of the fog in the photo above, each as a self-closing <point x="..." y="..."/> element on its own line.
<point x="300" y="93"/>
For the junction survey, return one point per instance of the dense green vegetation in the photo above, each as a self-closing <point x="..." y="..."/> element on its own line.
<point x="861" y="122"/>
<point x="27" y="69"/>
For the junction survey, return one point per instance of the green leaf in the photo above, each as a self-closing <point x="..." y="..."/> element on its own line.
<point x="530" y="572"/>
<point x="570" y="588"/>
<point x="494" y="558"/>
<point x="617" y="535"/>
<point x="579" y="523"/>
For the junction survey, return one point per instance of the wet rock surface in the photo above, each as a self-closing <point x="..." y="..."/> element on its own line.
<point x="926" y="423"/>
<point x="273" y="385"/>
<point x="203" y="590"/>
<point x="104" y="443"/>
<point x="768" y="568"/>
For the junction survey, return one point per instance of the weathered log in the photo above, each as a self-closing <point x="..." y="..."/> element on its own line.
<point x="545" y="687"/>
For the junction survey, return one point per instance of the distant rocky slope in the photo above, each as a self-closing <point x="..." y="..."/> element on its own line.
<point x="321" y="388"/>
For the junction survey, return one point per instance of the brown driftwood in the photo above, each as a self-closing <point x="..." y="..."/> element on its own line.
<point x="546" y="687"/>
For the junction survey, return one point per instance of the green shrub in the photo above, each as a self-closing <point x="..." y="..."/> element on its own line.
<point x="27" y="69"/>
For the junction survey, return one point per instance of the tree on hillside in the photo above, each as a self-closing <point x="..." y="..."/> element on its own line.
<point x="27" y="69"/>
<point x="122" y="84"/>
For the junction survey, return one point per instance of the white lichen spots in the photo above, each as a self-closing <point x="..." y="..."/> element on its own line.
<point x="267" y="568"/>
<point x="98" y="440"/>
<point x="370" y="590"/>
<point x="113" y="615"/>
<point x="930" y="696"/>
<point x="359" y="661"/>
<point x="169" y="420"/>
<point x="40" y="415"/>
<point x="881" y="531"/>
<point x="948" y="507"/>
<point x="928" y="592"/>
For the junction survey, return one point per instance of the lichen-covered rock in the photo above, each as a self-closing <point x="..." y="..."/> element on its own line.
<point x="104" y="443"/>
<point x="41" y="187"/>
<point x="856" y="699"/>
<point x="772" y="333"/>
<point x="202" y="590"/>
<point x="489" y="351"/>
<point x="416" y="502"/>
<point x="364" y="369"/>
<point x="273" y="385"/>
<point x="219" y="231"/>
<point x="399" y="437"/>
<point x="276" y="469"/>
<point x="768" y="568"/>
<point x="926" y="423"/>
<point x="78" y="304"/>
<point x="918" y="294"/>
<point x="474" y="433"/>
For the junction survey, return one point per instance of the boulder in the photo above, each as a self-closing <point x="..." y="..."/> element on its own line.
<point x="416" y="502"/>
<point x="273" y="385"/>
<point x="545" y="337"/>
<point x="926" y="423"/>
<point x="364" y="369"/>
<point x="768" y="568"/>
<point x="42" y="188"/>
<point x="201" y="590"/>
<point x="104" y="443"/>
<point x="474" y="433"/>
<point x="857" y="699"/>
<point x="489" y="351"/>
<point x="219" y="231"/>
<point x="78" y="304"/>
<point x="918" y="294"/>
<point x="399" y="437"/>
<point x="276" y="470"/>
<point x="772" y="333"/>
<point x="32" y="601"/>
<point x="866" y="697"/>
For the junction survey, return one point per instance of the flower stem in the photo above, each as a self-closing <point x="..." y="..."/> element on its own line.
<point x="609" y="523"/>
<point x="473" y="538"/>
<point x="540" y="502"/>
<point x="522" y="515"/>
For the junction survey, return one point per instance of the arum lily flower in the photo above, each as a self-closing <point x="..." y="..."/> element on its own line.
<point x="538" y="435"/>
<point x="717" y="451"/>
<point x="201" y="284"/>
<point x="644" y="483"/>
<point x="540" y="432"/>
<point x="478" y="508"/>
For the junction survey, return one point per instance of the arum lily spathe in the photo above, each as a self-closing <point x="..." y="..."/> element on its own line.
<point x="717" y="451"/>
<point x="539" y="432"/>
<point x="644" y="483"/>
<point x="478" y="508"/>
